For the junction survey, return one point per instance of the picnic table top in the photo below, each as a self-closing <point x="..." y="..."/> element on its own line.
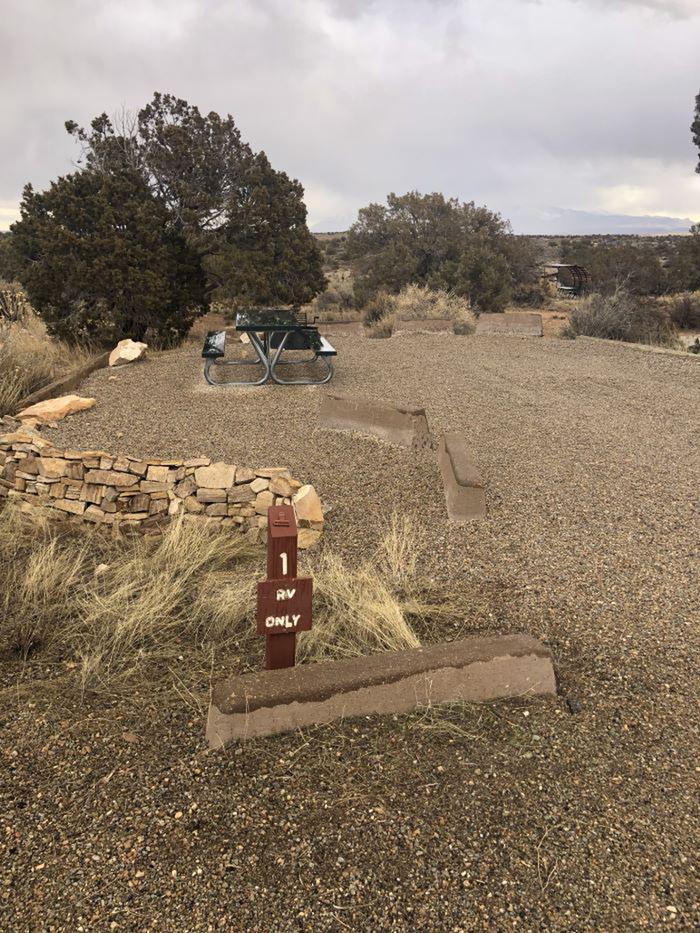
<point x="275" y="319"/>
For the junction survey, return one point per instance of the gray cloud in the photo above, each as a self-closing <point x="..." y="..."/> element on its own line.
<point x="520" y="105"/>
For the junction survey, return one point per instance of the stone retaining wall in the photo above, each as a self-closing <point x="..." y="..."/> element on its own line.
<point x="133" y="494"/>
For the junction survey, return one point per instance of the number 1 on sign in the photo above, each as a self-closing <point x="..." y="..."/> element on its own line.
<point x="283" y="558"/>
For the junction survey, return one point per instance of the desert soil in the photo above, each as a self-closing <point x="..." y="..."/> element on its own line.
<point x="575" y="813"/>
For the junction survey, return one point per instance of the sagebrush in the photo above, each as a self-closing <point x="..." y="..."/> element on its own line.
<point x="621" y="316"/>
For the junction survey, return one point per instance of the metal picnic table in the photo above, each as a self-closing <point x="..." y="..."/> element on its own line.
<point x="272" y="334"/>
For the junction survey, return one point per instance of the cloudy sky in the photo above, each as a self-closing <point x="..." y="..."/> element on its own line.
<point x="546" y="110"/>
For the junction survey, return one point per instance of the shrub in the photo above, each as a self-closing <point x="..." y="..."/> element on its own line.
<point x="29" y="360"/>
<point x="14" y="305"/>
<point x="377" y="308"/>
<point x="417" y="303"/>
<point x="621" y="316"/>
<point x="684" y="310"/>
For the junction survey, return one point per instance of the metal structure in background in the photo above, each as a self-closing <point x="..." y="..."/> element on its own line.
<point x="273" y="334"/>
<point x="284" y="600"/>
<point x="571" y="279"/>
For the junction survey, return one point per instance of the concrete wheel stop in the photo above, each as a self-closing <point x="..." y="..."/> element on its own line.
<point x="407" y="426"/>
<point x="472" y="669"/>
<point x="520" y="324"/>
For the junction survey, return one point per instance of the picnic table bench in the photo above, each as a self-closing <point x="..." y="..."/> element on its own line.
<point x="273" y="334"/>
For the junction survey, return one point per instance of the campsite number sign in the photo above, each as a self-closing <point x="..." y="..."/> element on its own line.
<point x="284" y="600"/>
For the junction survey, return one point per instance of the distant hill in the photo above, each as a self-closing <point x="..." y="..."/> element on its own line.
<point x="557" y="221"/>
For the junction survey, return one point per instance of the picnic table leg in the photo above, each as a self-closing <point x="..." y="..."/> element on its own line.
<point x="298" y="382"/>
<point x="261" y="360"/>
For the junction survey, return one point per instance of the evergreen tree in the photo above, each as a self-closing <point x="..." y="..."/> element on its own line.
<point x="432" y="240"/>
<point x="102" y="262"/>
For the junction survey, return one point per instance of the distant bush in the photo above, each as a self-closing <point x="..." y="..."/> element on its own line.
<point x="684" y="310"/>
<point x="621" y="316"/>
<point x="417" y="303"/>
<point x="337" y="302"/>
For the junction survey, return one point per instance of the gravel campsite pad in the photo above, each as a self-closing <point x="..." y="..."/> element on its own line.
<point x="575" y="813"/>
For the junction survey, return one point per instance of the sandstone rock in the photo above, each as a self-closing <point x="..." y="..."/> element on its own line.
<point x="158" y="506"/>
<point x="110" y="478"/>
<point x="282" y="486"/>
<point x="241" y="494"/>
<point x="263" y="501"/>
<point x="92" y="494"/>
<point x="308" y="537"/>
<point x="192" y="505"/>
<point x="269" y="472"/>
<point x="217" y="508"/>
<point x="93" y="514"/>
<point x="186" y="488"/>
<point x="211" y="495"/>
<point x="55" y="409"/>
<point x="52" y="466"/>
<point x="244" y="475"/>
<point x="126" y="351"/>
<point x="197" y="462"/>
<point x="149" y="486"/>
<point x="158" y="474"/>
<point x="217" y="476"/>
<point x="258" y="485"/>
<point x="23" y="437"/>
<point x="307" y="505"/>
<point x="69" y="505"/>
<point x="139" y="503"/>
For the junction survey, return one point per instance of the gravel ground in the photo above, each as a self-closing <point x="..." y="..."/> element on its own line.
<point x="577" y="813"/>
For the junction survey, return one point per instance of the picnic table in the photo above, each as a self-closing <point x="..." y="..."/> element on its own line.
<point x="273" y="334"/>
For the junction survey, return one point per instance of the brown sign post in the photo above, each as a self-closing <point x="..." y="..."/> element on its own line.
<point x="284" y="600"/>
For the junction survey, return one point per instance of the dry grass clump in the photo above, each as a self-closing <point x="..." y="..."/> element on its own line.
<point x="113" y="607"/>
<point x="621" y="316"/>
<point x="417" y="303"/>
<point x="169" y="609"/>
<point x="30" y="359"/>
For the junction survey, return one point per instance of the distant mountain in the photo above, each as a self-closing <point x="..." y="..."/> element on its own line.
<point x="560" y="221"/>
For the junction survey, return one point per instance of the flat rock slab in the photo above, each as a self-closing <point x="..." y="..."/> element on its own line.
<point x="398" y="424"/>
<point x="472" y="669"/>
<point x="464" y="488"/>
<point x="522" y="324"/>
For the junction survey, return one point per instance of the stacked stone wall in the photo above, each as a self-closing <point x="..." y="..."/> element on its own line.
<point x="131" y="494"/>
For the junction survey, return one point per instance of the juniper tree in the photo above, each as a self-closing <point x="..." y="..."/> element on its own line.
<point x="246" y="220"/>
<point x="102" y="262"/>
<point x="435" y="241"/>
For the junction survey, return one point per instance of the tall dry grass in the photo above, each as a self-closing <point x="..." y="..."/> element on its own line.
<point x="417" y="303"/>
<point x="30" y="359"/>
<point x="168" y="610"/>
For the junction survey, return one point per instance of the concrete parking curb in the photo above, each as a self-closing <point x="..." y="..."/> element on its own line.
<point x="405" y="425"/>
<point x="472" y="669"/>
<point x="464" y="488"/>
<point x="522" y="324"/>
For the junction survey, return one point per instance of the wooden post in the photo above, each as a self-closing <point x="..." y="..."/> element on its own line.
<point x="280" y="649"/>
